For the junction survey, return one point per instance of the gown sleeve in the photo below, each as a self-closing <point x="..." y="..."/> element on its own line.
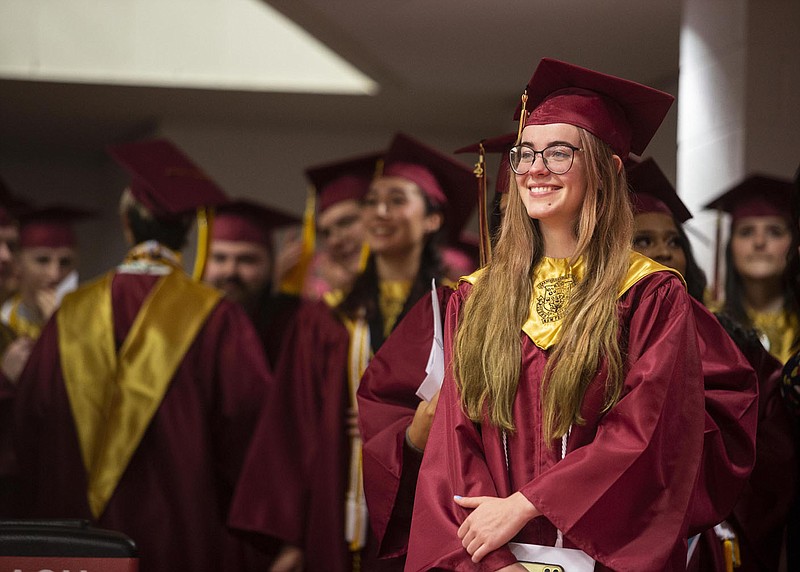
<point x="387" y="402"/>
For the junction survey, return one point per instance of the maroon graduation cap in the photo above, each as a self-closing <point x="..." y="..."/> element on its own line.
<point x="623" y="113"/>
<point x="248" y="221"/>
<point x="651" y="191"/>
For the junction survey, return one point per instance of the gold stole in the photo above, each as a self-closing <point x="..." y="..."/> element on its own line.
<point x="553" y="282"/>
<point x="115" y="395"/>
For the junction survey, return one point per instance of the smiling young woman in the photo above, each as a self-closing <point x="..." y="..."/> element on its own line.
<point x="575" y="361"/>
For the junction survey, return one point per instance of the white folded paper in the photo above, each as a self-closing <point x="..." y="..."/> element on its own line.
<point x="435" y="368"/>
<point x="557" y="559"/>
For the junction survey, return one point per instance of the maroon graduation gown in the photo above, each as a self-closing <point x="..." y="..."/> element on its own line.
<point x="622" y="493"/>
<point x="314" y="364"/>
<point x="174" y="495"/>
<point x="387" y="402"/>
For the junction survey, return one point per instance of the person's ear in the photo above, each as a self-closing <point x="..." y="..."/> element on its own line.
<point x="618" y="163"/>
<point x="433" y="222"/>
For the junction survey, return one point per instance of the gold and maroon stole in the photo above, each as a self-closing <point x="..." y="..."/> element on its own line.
<point x="553" y="282"/>
<point x="114" y="395"/>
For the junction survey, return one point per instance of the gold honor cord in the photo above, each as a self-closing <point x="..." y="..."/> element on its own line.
<point x="355" y="502"/>
<point x="114" y="396"/>
<point x="205" y="220"/>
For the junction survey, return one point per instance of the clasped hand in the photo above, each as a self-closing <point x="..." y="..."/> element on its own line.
<point x="493" y="522"/>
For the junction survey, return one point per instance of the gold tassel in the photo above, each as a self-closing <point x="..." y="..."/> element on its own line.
<point x="523" y="115"/>
<point x="717" y="286"/>
<point x="484" y="246"/>
<point x="294" y="280"/>
<point x="205" y="219"/>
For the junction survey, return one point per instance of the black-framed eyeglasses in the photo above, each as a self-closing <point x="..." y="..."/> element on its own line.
<point x="557" y="158"/>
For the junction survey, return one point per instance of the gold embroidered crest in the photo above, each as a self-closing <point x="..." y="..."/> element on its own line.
<point x="553" y="298"/>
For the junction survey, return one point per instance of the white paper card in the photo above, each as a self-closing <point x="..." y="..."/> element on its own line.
<point x="435" y="368"/>
<point x="565" y="559"/>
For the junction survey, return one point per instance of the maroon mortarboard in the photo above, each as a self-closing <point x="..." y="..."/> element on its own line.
<point x="165" y="180"/>
<point x="50" y="227"/>
<point x="446" y="181"/>
<point x="247" y="221"/>
<point x="623" y="113"/>
<point x="652" y="191"/>
<point x="343" y="180"/>
<point x="757" y="195"/>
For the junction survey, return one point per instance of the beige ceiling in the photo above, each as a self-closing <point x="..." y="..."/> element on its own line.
<point x="439" y="63"/>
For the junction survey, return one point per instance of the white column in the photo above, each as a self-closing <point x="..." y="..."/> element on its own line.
<point x="738" y="102"/>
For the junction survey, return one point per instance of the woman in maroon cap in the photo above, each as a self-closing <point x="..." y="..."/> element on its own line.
<point x="418" y="191"/>
<point x="572" y="414"/>
<point x="397" y="399"/>
<point x="758" y="290"/>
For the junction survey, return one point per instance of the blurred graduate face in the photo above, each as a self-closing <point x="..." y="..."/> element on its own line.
<point x="9" y="244"/>
<point x="396" y="217"/>
<point x="44" y="267"/>
<point x="341" y="232"/>
<point x="657" y="237"/>
<point x="240" y="269"/>
<point x="551" y="198"/>
<point x="759" y="245"/>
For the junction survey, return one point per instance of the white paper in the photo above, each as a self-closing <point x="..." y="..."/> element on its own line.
<point x="435" y="368"/>
<point x="67" y="285"/>
<point x="567" y="559"/>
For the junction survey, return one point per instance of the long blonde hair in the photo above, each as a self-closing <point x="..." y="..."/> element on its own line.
<point x="487" y="349"/>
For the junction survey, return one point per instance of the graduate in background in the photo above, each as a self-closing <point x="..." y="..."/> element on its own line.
<point x="142" y="393"/>
<point x="758" y="290"/>
<point x="752" y="530"/>
<point x="604" y="455"/>
<point x="417" y="191"/>
<point x="394" y="411"/>
<point x="241" y="264"/>
<point x="46" y="267"/>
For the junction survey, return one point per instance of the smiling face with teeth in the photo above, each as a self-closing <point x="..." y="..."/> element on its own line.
<point x="554" y="200"/>
<point x="396" y="217"/>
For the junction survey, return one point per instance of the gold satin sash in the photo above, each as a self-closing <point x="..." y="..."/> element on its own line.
<point x="115" y="396"/>
<point x="553" y="282"/>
